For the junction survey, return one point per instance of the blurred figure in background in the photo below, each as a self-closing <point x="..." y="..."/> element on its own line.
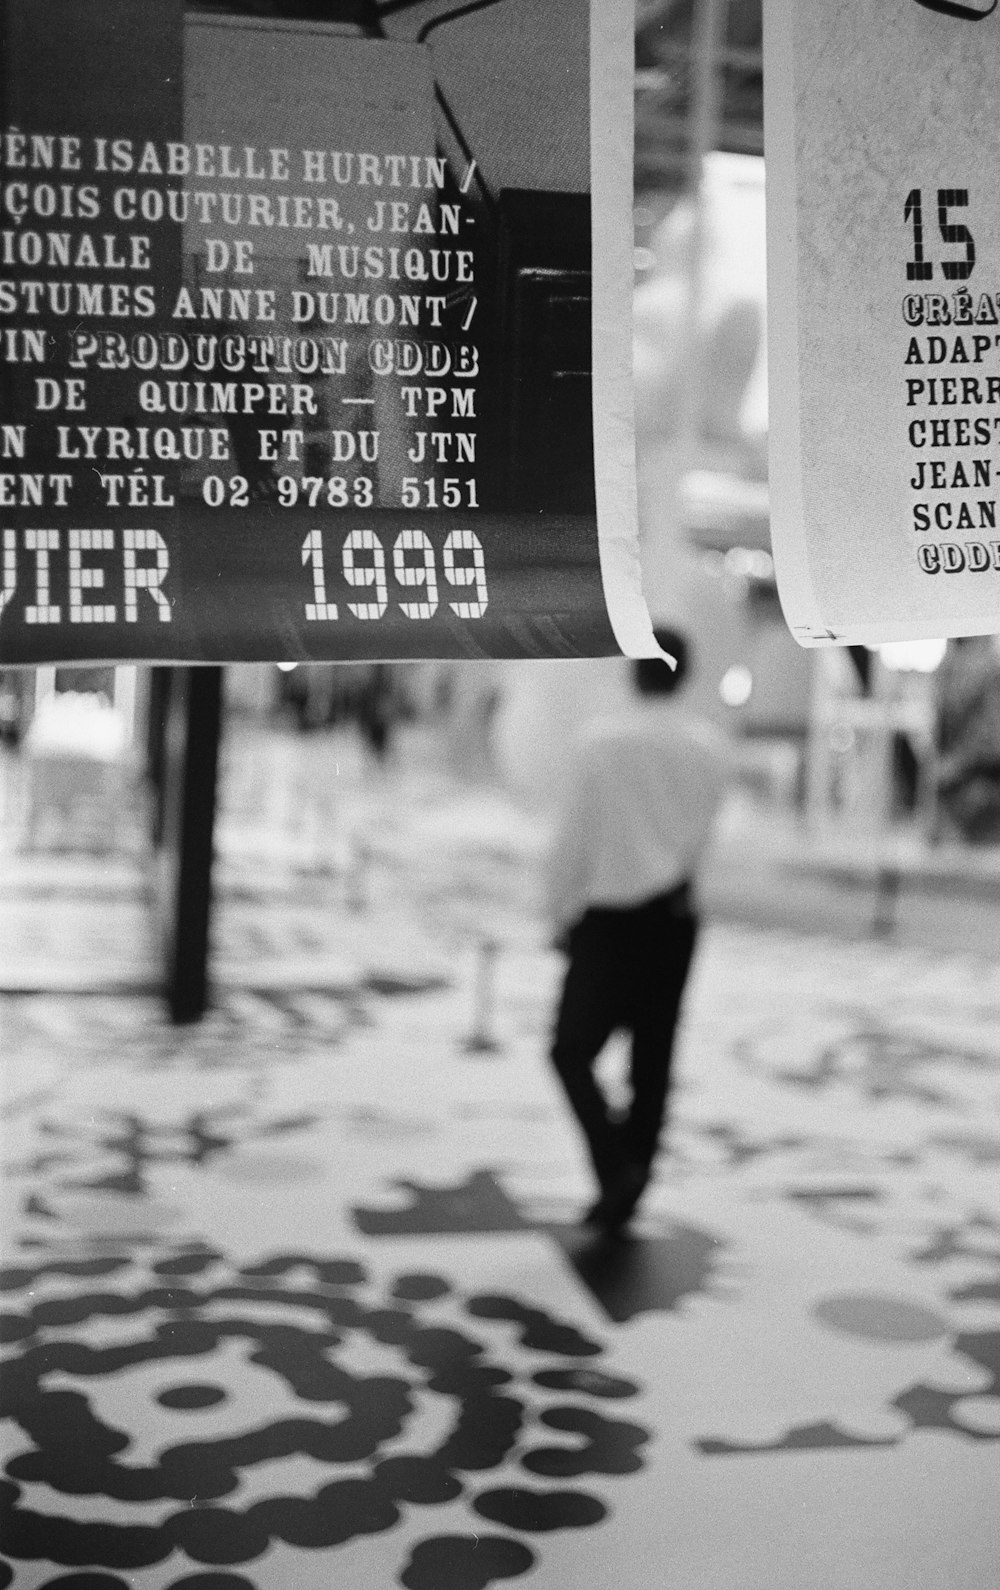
<point x="968" y="770"/>
<point x="379" y="707"/>
<point x="620" y="896"/>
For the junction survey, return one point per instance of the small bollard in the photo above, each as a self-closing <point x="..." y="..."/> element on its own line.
<point x="356" y="878"/>
<point x="481" y="1039"/>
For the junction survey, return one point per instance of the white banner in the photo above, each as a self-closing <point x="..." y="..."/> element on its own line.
<point x="882" y="144"/>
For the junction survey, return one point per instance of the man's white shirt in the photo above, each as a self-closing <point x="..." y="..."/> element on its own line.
<point x="646" y="787"/>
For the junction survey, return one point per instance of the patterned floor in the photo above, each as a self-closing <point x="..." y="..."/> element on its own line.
<point x="298" y="1298"/>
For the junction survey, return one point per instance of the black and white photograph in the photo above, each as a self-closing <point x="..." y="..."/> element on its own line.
<point x="297" y="330"/>
<point x="499" y="795"/>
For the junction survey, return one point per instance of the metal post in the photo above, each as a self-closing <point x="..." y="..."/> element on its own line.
<point x="193" y="724"/>
<point x="481" y="1039"/>
<point x="702" y="130"/>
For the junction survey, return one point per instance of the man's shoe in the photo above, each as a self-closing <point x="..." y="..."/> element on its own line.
<point x="619" y="1198"/>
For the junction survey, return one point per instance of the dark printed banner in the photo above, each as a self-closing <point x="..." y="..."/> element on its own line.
<point x="296" y="334"/>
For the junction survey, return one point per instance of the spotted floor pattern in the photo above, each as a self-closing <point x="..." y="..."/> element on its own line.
<point x="299" y="1297"/>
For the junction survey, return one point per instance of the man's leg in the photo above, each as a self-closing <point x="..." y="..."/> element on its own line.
<point x="589" y="1011"/>
<point x="661" y="969"/>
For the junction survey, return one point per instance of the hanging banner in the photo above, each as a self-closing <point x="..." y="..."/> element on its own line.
<point x="882" y="146"/>
<point x="307" y="331"/>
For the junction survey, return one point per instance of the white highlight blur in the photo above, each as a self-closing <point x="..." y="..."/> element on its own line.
<point x="912" y="656"/>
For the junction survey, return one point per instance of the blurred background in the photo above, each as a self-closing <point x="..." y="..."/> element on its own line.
<point x="279" y="1138"/>
<point x="869" y="788"/>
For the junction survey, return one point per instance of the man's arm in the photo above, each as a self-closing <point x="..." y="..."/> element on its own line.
<point x="565" y="867"/>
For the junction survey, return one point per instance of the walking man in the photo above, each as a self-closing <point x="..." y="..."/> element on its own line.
<point x="620" y="894"/>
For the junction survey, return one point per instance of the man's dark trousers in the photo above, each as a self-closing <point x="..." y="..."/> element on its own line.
<point x="627" y="970"/>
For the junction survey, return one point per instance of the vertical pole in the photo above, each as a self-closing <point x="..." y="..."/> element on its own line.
<point x="125" y="690"/>
<point x="194" y="720"/>
<point x="822" y="699"/>
<point x="703" y="122"/>
<point x="481" y="1039"/>
<point x="45" y="684"/>
<point x="702" y="131"/>
<point x="157" y="711"/>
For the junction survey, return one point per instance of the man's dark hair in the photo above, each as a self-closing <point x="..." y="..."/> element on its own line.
<point x="654" y="677"/>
